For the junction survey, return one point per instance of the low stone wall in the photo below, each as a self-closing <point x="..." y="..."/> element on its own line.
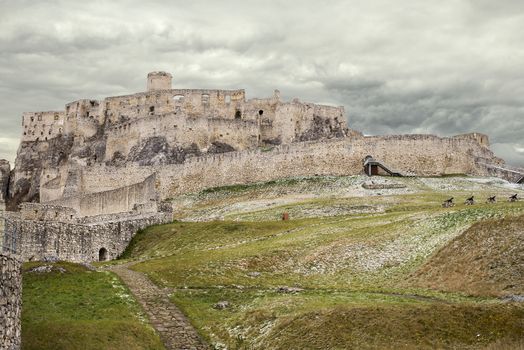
<point x="10" y="301"/>
<point x="78" y="242"/>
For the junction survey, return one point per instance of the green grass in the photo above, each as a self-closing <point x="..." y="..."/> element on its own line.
<point x="351" y="265"/>
<point x="81" y="309"/>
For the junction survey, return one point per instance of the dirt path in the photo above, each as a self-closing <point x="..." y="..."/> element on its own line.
<point x="175" y="330"/>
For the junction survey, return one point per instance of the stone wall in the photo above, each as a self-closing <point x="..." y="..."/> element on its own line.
<point x="118" y="200"/>
<point x="42" y="126"/>
<point x="91" y="240"/>
<point x="10" y="301"/>
<point x="423" y="155"/>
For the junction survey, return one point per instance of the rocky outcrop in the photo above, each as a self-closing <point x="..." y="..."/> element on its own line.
<point x="5" y="173"/>
<point x="157" y="151"/>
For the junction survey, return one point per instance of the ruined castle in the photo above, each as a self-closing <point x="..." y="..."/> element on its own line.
<point x="88" y="177"/>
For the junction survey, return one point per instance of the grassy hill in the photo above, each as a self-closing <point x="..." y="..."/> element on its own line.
<point x="353" y="268"/>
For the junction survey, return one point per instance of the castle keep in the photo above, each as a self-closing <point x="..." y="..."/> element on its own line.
<point x="88" y="177"/>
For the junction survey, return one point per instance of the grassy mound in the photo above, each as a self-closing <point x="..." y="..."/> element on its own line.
<point x="487" y="259"/>
<point x="70" y="307"/>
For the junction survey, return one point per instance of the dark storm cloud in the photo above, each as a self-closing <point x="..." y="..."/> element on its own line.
<point x="407" y="66"/>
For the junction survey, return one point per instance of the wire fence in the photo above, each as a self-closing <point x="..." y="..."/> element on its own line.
<point x="9" y="239"/>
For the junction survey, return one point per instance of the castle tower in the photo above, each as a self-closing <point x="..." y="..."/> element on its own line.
<point x="159" y="81"/>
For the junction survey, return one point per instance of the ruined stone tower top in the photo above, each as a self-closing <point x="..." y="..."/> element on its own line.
<point x="158" y="81"/>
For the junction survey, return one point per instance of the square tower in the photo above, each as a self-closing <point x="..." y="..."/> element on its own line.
<point x="159" y="81"/>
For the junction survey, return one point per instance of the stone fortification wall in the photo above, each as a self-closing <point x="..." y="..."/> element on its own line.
<point x="509" y="173"/>
<point x="79" y="242"/>
<point x="42" y="126"/>
<point x="10" y="301"/>
<point x="41" y="212"/>
<point x="423" y="155"/>
<point x="118" y="200"/>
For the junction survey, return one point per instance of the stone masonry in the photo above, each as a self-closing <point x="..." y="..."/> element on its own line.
<point x="10" y="301"/>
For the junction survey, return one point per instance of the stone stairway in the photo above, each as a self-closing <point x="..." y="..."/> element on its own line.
<point x="175" y="330"/>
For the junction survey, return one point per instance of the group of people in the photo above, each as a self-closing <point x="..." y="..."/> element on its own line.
<point x="471" y="200"/>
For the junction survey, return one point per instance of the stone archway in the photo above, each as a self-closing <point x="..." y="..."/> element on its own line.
<point x="102" y="254"/>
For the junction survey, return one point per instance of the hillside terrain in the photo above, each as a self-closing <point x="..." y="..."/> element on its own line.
<point x="361" y="264"/>
<point x="351" y="269"/>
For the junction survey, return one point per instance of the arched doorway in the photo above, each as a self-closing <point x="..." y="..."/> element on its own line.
<point x="102" y="254"/>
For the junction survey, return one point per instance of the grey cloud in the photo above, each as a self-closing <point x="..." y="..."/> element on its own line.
<point x="443" y="67"/>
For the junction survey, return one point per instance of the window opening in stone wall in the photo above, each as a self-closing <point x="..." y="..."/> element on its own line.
<point x="228" y="99"/>
<point x="238" y="115"/>
<point x="260" y="112"/>
<point x="151" y="109"/>
<point x="39" y="118"/>
<point x="205" y="99"/>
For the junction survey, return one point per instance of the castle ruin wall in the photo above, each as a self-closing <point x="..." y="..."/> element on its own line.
<point x="119" y="200"/>
<point x="79" y="242"/>
<point x="423" y="155"/>
<point x="10" y="301"/>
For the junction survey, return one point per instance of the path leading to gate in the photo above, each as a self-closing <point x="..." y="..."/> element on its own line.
<point x="175" y="330"/>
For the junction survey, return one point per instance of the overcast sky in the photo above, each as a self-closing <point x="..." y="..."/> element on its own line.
<point x="405" y="66"/>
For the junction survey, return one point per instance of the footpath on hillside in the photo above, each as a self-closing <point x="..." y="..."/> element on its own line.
<point x="175" y="330"/>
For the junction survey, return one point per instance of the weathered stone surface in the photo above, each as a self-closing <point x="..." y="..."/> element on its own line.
<point x="10" y="301"/>
<point x="175" y="330"/>
<point x="79" y="240"/>
<point x="157" y="127"/>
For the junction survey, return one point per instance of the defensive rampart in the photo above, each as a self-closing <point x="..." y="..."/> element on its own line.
<point x="422" y="155"/>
